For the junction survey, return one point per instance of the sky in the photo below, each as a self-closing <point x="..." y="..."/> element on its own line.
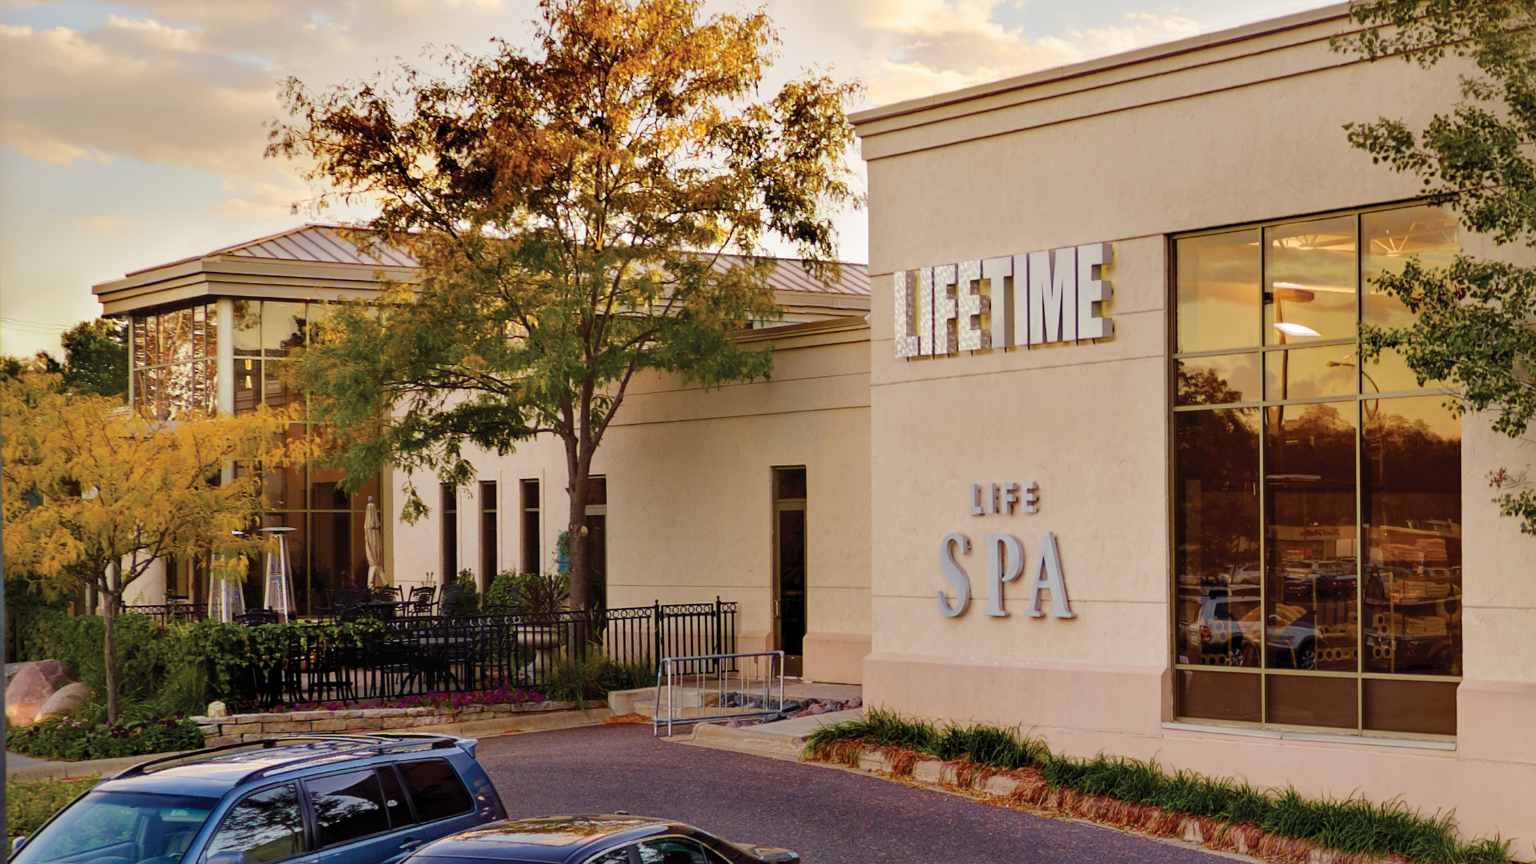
<point x="132" y="133"/>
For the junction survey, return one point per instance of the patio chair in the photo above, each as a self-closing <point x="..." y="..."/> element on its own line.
<point x="346" y="597"/>
<point x="423" y="600"/>
<point x="386" y="594"/>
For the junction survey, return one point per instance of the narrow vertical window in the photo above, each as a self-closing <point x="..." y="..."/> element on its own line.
<point x="529" y="530"/>
<point x="488" y="553"/>
<point x="597" y="537"/>
<point x="450" y="511"/>
<point x="789" y="565"/>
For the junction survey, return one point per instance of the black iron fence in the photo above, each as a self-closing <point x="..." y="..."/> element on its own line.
<point x="166" y="613"/>
<point x="401" y="657"/>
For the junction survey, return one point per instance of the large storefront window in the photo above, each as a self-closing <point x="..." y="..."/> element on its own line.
<point x="1317" y="504"/>
<point x="174" y="358"/>
<point x="326" y="549"/>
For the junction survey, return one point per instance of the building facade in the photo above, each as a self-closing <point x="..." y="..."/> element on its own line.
<point x="1102" y="462"/>
<point x="1132" y="489"/>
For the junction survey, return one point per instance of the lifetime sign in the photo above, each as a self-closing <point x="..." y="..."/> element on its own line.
<point x="1015" y="301"/>
<point x="1005" y="558"/>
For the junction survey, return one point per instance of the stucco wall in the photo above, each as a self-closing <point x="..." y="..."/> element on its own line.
<point x="1225" y="130"/>
<point x="689" y="514"/>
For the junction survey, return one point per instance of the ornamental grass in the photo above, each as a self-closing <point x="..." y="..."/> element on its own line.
<point x="1278" y="825"/>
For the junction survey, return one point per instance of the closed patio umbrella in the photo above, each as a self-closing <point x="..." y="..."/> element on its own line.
<point x="373" y="544"/>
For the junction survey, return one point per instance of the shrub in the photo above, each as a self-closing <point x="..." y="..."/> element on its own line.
<point x="88" y="736"/>
<point x="460" y="597"/>
<point x="1352" y="825"/>
<point x="30" y="803"/>
<point x="577" y="679"/>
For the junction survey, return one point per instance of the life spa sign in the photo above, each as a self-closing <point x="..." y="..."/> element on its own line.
<point x="1015" y="301"/>
<point x="1005" y="558"/>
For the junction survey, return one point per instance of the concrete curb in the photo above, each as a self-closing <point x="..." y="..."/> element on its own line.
<point x="517" y="724"/>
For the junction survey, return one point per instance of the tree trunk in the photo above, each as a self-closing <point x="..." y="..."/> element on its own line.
<point x="108" y="643"/>
<point x="576" y="533"/>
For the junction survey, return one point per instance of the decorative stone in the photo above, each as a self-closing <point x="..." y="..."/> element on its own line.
<point x="929" y="771"/>
<point x="1000" y="785"/>
<point x="32" y="685"/>
<point x="331" y="725"/>
<point x="218" y="709"/>
<point x="65" y="701"/>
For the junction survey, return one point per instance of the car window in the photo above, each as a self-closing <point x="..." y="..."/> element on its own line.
<point x="347" y="806"/>
<point x="120" y="826"/>
<point x="612" y="856"/>
<point x="435" y="789"/>
<point x="265" y="826"/>
<point x="394" y="798"/>
<point x="675" y="850"/>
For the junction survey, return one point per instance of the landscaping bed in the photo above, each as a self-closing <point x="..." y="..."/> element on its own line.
<point x="87" y="736"/>
<point x="384" y="715"/>
<point x="1282" y="826"/>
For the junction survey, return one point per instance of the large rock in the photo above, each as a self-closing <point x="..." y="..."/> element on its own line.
<point x="64" y="702"/>
<point x="30" y="688"/>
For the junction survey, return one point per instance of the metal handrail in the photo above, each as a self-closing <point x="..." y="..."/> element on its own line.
<point x="668" y="665"/>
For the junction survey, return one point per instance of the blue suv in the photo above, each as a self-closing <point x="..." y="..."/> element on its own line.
<point x="309" y="799"/>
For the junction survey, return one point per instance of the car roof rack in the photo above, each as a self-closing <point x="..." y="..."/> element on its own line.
<point x="379" y="743"/>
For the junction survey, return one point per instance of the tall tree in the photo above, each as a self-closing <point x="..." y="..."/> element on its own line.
<point x="95" y="494"/>
<point x="572" y="207"/>
<point x="96" y="357"/>
<point x="1475" y="317"/>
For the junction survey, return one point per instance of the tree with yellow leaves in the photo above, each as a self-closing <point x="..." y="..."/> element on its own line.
<point x="94" y="493"/>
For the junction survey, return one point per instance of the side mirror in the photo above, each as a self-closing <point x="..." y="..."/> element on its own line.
<point x="17" y="843"/>
<point x="775" y="856"/>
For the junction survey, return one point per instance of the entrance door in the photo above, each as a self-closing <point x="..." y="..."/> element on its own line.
<point x="789" y="566"/>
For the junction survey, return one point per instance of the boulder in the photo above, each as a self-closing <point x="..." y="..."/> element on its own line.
<point x="32" y="685"/>
<point x="218" y="709"/>
<point x="65" y="701"/>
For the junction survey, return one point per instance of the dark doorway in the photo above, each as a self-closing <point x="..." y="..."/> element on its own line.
<point x="789" y="566"/>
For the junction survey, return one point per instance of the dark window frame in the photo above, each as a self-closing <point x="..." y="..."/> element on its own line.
<point x="1263" y="405"/>
<point x="410" y="795"/>
<point x="314" y="820"/>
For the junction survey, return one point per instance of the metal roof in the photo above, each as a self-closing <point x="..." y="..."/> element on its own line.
<point x="326" y="244"/>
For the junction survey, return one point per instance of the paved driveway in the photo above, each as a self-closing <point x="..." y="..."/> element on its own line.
<point x="828" y="816"/>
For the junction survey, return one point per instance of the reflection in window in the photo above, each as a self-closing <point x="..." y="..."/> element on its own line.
<point x="1309" y="485"/>
<point x="1411" y="466"/>
<point x="1304" y="588"/>
<point x="1220" y="308"/>
<point x="1309" y="281"/>
<point x="264" y="827"/>
<point x="347" y="807"/>
<point x="173" y="360"/>
<point x="1216" y="537"/>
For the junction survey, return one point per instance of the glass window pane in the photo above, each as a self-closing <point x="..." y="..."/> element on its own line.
<point x="325" y="492"/>
<point x="248" y="374"/>
<point x="283" y="487"/>
<point x="340" y="555"/>
<point x="140" y="357"/>
<point x="1307" y="700"/>
<point x="530" y="527"/>
<point x="179" y="381"/>
<point x="436" y="789"/>
<point x="277" y="390"/>
<point x="671" y="850"/>
<point x="1389" y="373"/>
<point x="1219" y="696"/>
<point x="1424" y="707"/>
<point x="176" y="336"/>
<point x="247" y="327"/>
<point x="152" y="355"/>
<point x="1310" y="535"/>
<point x="1216" y="536"/>
<point x="597" y="491"/>
<point x="346" y="807"/>
<point x="1411" y="465"/>
<point x="265" y="827"/>
<point x="1218" y="291"/>
<point x="1391" y="239"/>
<point x="394" y="797"/>
<point x="1216" y="380"/>
<point x="789" y="483"/>
<point x="1310" y="373"/>
<point x="282" y="327"/>
<point x="1309" y="290"/>
<point x="211" y="331"/>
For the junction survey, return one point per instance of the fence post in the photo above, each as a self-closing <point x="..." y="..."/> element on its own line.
<point x="661" y="639"/>
<point x="718" y="631"/>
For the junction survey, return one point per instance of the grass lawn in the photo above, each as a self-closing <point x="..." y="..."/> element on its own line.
<point x="29" y="803"/>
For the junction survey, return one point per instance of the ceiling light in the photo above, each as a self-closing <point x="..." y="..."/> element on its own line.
<point x="1292" y="329"/>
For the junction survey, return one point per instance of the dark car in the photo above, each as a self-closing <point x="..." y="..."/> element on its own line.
<point x="308" y="799"/>
<point x="606" y="839"/>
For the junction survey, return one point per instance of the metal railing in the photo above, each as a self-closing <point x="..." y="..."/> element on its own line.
<point x="166" y="613"/>
<point x="725" y="686"/>
<point x="420" y="655"/>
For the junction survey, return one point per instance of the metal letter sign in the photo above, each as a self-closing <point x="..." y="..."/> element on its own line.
<point x="1038" y="298"/>
<point x="1006" y="558"/>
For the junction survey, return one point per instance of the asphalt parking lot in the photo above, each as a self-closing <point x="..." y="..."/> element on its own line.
<point x="826" y="815"/>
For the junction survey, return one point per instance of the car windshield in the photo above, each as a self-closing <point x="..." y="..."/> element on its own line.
<point x="119" y="828"/>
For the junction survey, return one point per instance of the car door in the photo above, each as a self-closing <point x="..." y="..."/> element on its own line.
<point x="440" y="802"/>
<point x="264" y="827"/>
<point x="359" y="817"/>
